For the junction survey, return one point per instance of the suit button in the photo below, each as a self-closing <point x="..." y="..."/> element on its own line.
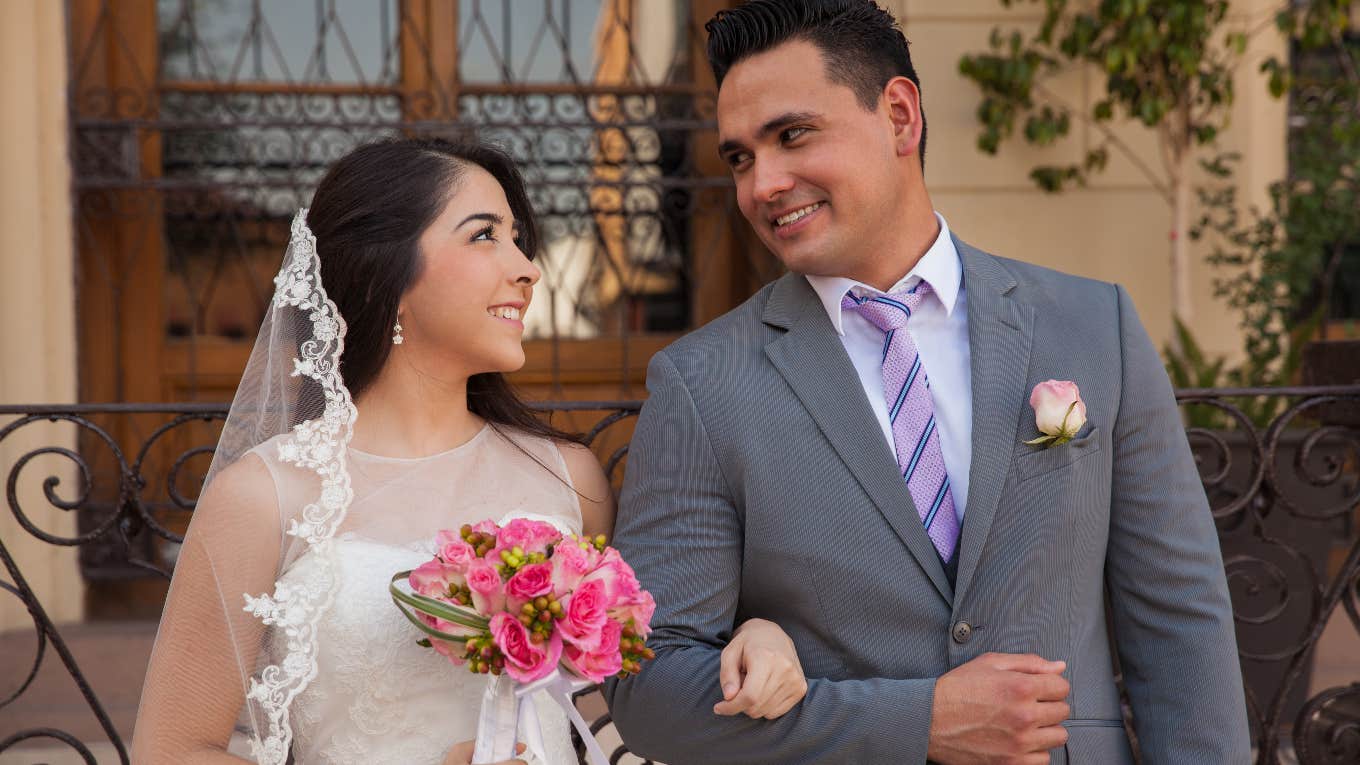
<point x="962" y="632"/>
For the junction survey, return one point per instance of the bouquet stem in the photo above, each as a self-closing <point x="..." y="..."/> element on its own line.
<point x="498" y="722"/>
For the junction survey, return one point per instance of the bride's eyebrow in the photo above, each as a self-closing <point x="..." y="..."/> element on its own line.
<point x="486" y="216"/>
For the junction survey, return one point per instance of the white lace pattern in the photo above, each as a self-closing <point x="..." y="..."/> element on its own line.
<point x="295" y="607"/>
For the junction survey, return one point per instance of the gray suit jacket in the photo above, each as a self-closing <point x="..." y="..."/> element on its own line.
<point x="759" y="484"/>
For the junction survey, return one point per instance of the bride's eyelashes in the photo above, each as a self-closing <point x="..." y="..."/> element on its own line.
<point x="488" y="234"/>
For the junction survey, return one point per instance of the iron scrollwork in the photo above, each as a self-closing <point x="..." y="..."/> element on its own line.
<point x="137" y="517"/>
<point x="1285" y="496"/>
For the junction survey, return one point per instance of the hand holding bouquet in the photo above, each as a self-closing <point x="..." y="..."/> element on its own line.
<point x="528" y="602"/>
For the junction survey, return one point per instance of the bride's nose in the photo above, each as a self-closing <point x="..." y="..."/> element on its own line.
<point x="525" y="272"/>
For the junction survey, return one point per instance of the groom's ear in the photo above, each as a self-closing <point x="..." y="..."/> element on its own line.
<point x="902" y="101"/>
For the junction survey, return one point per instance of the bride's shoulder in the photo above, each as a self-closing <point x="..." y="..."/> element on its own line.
<point x="243" y="494"/>
<point x="580" y="462"/>
<point x="584" y="478"/>
<point x="591" y="485"/>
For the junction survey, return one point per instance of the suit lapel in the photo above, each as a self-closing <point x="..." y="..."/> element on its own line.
<point x="999" y="336"/>
<point x="814" y="363"/>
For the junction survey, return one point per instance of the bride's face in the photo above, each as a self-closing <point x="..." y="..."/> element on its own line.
<point x="467" y="303"/>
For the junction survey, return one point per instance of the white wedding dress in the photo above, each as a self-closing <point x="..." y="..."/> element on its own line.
<point x="377" y="696"/>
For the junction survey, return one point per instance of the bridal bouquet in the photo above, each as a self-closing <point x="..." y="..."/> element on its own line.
<point x="539" y="609"/>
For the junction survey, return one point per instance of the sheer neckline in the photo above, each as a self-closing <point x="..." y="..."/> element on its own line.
<point x="480" y="436"/>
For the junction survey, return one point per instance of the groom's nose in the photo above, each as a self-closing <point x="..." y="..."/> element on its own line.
<point x="769" y="178"/>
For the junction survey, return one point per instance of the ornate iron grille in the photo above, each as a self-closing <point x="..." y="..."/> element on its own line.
<point x="1286" y="497"/>
<point x="199" y="126"/>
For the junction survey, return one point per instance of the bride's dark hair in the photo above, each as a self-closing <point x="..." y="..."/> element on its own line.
<point x="368" y="213"/>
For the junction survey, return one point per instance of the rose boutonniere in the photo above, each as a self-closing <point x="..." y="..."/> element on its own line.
<point x="1059" y="412"/>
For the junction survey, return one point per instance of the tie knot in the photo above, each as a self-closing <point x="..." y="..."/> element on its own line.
<point x="891" y="311"/>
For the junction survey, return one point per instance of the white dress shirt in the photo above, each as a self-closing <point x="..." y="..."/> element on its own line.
<point x="940" y="330"/>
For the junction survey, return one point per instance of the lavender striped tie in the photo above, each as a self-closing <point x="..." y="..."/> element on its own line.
<point x="912" y="413"/>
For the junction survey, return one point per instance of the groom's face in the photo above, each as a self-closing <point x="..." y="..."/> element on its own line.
<point x="817" y="174"/>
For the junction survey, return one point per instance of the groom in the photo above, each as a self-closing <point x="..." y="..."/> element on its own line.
<point x="845" y="454"/>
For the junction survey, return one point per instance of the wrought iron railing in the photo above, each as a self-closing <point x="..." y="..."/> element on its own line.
<point x="1285" y="495"/>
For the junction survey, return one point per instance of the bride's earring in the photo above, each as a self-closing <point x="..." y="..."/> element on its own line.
<point x="397" y="339"/>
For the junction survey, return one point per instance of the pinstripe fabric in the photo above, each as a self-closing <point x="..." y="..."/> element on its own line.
<point x="759" y="484"/>
<point x="911" y="411"/>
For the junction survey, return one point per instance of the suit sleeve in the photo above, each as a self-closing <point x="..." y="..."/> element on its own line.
<point x="680" y="529"/>
<point x="1173" y="621"/>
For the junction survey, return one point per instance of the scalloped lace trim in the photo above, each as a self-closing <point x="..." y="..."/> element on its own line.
<point x="318" y="445"/>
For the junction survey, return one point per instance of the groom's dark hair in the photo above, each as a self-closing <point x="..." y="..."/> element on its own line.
<point x="862" y="46"/>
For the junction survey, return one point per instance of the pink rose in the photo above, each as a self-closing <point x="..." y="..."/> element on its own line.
<point x="448" y="650"/>
<point x="1058" y="409"/>
<point x="529" y="536"/>
<point x="605" y="662"/>
<point x="484" y="583"/>
<point x="584" y="615"/>
<point x="571" y="563"/>
<point x="639" y="608"/>
<point x="455" y="551"/>
<point x="620" y="582"/>
<point x="435" y="578"/>
<point x="487" y="527"/>
<point x="532" y="581"/>
<point x="524" y="661"/>
<point x="453" y="651"/>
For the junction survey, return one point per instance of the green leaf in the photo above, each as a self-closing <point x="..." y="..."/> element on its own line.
<point x="1279" y="82"/>
<point x="1114" y="60"/>
<point x="436" y="608"/>
<point x="1286" y="22"/>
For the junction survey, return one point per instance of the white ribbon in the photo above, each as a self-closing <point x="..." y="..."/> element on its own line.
<point x="498" y="721"/>
<point x="507" y="709"/>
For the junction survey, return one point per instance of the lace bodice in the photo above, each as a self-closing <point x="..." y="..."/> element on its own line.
<point x="377" y="696"/>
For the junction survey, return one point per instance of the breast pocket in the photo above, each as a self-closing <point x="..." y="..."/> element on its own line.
<point x="1047" y="459"/>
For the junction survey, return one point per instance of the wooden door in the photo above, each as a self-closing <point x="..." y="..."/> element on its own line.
<point x="199" y="128"/>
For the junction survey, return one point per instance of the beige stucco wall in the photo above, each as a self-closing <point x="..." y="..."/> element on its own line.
<point x="37" y="308"/>
<point x="1117" y="228"/>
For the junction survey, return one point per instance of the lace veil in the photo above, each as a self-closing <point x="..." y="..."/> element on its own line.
<point x="251" y="637"/>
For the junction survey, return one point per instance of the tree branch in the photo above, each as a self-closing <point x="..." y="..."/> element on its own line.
<point x="1110" y="138"/>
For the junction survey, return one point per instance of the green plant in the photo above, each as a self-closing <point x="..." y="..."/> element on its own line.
<point x="1280" y="267"/>
<point x="1167" y="64"/>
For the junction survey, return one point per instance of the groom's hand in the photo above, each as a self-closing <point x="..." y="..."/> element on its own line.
<point x="999" y="708"/>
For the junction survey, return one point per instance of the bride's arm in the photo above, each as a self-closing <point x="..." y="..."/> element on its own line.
<point x="208" y="644"/>
<point x="597" y="496"/>
<point x="759" y="672"/>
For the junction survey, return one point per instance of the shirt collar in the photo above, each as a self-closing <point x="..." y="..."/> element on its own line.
<point x="940" y="266"/>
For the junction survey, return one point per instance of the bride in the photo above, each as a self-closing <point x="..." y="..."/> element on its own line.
<point x="374" y="412"/>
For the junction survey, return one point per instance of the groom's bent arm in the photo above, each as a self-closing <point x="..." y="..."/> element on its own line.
<point x="1173" y="622"/>
<point x="681" y="530"/>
